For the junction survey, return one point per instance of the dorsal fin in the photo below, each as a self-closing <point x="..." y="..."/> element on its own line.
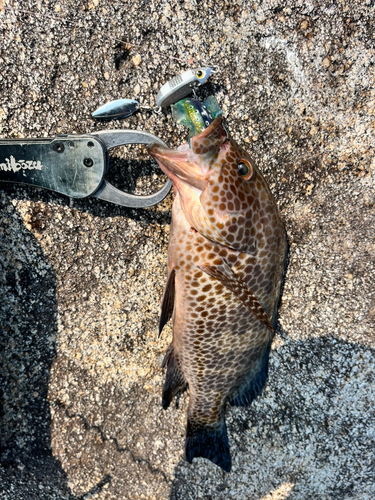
<point x="175" y="383"/>
<point x="167" y="303"/>
<point x="234" y="283"/>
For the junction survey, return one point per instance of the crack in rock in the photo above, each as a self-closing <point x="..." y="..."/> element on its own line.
<point x="120" y="449"/>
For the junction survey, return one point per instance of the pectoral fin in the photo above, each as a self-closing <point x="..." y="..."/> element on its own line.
<point x="234" y="283"/>
<point x="167" y="302"/>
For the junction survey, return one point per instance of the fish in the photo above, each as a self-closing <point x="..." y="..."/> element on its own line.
<point x="226" y="258"/>
<point x="196" y="115"/>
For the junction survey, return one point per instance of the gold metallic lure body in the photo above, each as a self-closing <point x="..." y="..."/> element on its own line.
<point x="226" y="259"/>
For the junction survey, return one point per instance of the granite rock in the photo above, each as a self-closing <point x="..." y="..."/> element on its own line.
<point x="81" y="280"/>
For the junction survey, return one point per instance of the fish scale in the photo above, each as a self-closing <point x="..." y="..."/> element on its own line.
<point x="226" y="259"/>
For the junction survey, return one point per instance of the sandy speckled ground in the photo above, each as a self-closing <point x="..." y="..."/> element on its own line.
<point x="81" y="281"/>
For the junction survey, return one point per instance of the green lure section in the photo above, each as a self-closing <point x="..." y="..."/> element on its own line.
<point x="196" y="115"/>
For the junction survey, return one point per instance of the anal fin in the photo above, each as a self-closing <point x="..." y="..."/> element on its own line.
<point x="209" y="442"/>
<point x="238" y="287"/>
<point x="175" y="383"/>
<point x="167" y="303"/>
<point x="251" y="388"/>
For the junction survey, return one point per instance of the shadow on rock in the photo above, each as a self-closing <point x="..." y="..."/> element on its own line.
<point x="28" y="319"/>
<point x="307" y="435"/>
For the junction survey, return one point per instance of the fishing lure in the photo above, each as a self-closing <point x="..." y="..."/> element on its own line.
<point x="181" y="85"/>
<point x="175" y="89"/>
<point x="196" y="115"/>
<point x="116" y="110"/>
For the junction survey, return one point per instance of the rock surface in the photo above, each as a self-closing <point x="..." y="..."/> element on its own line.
<point x="81" y="281"/>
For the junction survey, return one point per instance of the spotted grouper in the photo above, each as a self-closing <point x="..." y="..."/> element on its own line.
<point x="226" y="259"/>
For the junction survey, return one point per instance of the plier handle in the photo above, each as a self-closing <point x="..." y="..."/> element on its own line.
<point x="74" y="165"/>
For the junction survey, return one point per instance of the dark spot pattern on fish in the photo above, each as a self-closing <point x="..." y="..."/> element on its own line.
<point x="228" y="272"/>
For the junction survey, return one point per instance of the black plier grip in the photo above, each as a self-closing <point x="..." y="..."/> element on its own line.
<point x="74" y="165"/>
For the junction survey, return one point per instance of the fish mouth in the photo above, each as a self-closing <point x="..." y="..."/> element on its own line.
<point x="179" y="166"/>
<point x="185" y="165"/>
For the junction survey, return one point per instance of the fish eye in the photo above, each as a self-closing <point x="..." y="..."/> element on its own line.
<point x="199" y="73"/>
<point x="245" y="169"/>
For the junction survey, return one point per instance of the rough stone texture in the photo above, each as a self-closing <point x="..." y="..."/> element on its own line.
<point x="81" y="281"/>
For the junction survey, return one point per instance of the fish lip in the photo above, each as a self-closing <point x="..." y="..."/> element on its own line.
<point x="178" y="167"/>
<point x="183" y="165"/>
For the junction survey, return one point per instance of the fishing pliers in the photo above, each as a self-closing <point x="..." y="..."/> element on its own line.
<point x="74" y="165"/>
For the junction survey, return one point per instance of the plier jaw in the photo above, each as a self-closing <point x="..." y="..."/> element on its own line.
<point x="107" y="192"/>
<point x="74" y="165"/>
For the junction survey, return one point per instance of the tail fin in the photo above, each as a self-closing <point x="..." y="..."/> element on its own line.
<point x="208" y="442"/>
<point x="175" y="382"/>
